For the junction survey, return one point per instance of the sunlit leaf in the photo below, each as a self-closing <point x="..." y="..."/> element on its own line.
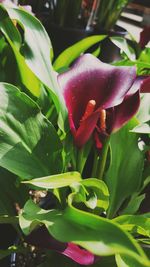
<point x="123" y="45"/>
<point x="56" y="181"/>
<point x="35" y="52"/>
<point x="124" y="175"/>
<point x="74" y="51"/>
<point x="138" y="224"/>
<point x="27" y="78"/>
<point x="29" y="145"/>
<point x="96" y="234"/>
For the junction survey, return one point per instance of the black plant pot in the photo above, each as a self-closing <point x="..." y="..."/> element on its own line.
<point x="109" y="51"/>
<point x="62" y="38"/>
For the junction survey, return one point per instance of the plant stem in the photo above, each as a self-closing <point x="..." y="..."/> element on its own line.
<point x="102" y="160"/>
<point x="82" y="156"/>
<point x="79" y="160"/>
<point x="95" y="163"/>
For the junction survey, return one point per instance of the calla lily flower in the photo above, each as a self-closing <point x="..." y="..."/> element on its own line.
<point x="100" y="98"/>
<point x="42" y="239"/>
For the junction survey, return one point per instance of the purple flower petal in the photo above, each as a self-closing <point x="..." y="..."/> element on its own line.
<point x="125" y="111"/>
<point x="91" y="80"/>
<point x="128" y="108"/>
<point x="79" y="255"/>
<point x="41" y="238"/>
<point x="85" y="130"/>
<point x="145" y="84"/>
<point x="88" y="79"/>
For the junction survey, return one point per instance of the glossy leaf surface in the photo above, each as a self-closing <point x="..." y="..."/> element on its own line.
<point x="124" y="175"/>
<point x="70" y="54"/>
<point x="96" y="234"/>
<point x="56" y="181"/>
<point x="29" y="145"/>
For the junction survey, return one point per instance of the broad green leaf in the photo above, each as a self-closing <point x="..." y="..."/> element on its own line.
<point x="56" y="181"/>
<point x="37" y="44"/>
<point x="8" y="28"/>
<point x="36" y="50"/>
<point x="133" y="204"/>
<point x="123" y="45"/>
<point x="124" y="261"/>
<point x="23" y="73"/>
<point x="139" y="224"/>
<point x="96" y="234"/>
<point x="124" y="176"/>
<point x="70" y="54"/>
<point x="29" y="145"/>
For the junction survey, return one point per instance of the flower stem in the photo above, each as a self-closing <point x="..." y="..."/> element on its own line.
<point x="102" y="160"/>
<point x="82" y="155"/>
<point x="95" y="163"/>
<point x="80" y="160"/>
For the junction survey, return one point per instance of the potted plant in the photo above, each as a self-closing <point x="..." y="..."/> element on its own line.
<point x="69" y="136"/>
<point x="70" y="21"/>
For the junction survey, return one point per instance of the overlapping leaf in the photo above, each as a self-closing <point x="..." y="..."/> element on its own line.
<point x="29" y="145"/>
<point x="96" y="234"/>
<point x="32" y="54"/>
<point x="70" y="54"/>
<point x="56" y="181"/>
<point x="139" y="224"/>
<point x="124" y="175"/>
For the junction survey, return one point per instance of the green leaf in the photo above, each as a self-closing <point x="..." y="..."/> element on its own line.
<point x="144" y="240"/>
<point x="124" y="176"/>
<point x="56" y="181"/>
<point x="123" y="45"/>
<point x="24" y="74"/>
<point x="143" y="68"/>
<point x="29" y="145"/>
<point x="139" y="224"/>
<point x="145" y="55"/>
<point x="124" y="261"/>
<point x="101" y="191"/>
<point x="36" y="50"/>
<point x="37" y="45"/>
<point x="133" y="204"/>
<point x="70" y="54"/>
<point x="96" y="234"/>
